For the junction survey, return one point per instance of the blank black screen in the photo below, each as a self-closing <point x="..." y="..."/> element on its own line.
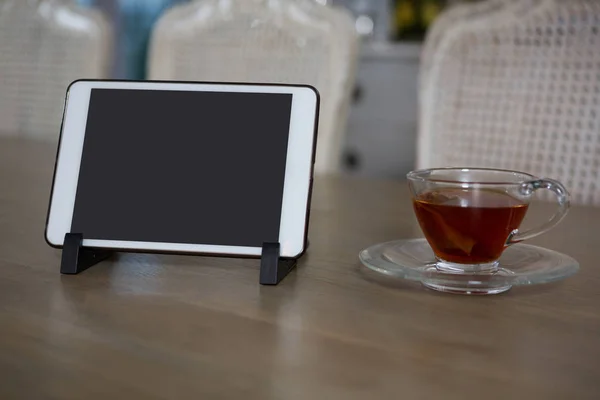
<point x="183" y="167"/>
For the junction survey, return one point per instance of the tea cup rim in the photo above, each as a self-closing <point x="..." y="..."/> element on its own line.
<point x="414" y="175"/>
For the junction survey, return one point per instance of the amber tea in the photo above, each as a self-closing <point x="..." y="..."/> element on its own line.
<point x="468" y="226"/>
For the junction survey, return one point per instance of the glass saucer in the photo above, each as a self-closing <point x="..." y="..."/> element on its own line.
<point x="520" y="264"/>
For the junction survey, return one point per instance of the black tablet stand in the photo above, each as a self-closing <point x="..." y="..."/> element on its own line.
<point x="273" y="268"/>
<point x="76" y="259"/>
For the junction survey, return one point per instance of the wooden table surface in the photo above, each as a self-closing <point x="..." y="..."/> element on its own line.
<point x="177" y="327"/>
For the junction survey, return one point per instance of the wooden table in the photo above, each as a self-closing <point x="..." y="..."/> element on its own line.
<point x="175" y="327"/>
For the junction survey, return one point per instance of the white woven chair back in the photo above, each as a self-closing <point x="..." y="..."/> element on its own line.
<point x="461" y="12"/>
<point x="44" y="46"/>
<point x="519" y="90"/>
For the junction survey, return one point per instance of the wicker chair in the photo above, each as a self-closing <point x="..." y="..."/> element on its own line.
<point x="461" y="12"/>
<point x="283" y="41"/>
<point x="45" y="45"/>
<point x="519" y="89"/>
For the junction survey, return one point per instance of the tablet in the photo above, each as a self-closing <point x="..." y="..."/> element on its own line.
<point x="207" y="168"/>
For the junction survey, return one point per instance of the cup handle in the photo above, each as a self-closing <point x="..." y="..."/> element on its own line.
<point x="527" y="189"/>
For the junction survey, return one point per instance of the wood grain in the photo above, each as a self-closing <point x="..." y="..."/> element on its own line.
<point x="174" y="327"/>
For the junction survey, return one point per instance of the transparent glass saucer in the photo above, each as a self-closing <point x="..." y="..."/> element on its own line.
<point x="520" y="264"/>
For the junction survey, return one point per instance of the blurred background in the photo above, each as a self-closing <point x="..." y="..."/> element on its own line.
<point x="380" y="135"/>
<point x="404" y="83"/>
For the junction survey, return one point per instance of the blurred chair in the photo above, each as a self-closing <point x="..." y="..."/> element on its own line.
<point x="519" y="89"/>
<point x="281" y="41"/>
<point x="44" y="46"/>
<point x="461" y="12"/>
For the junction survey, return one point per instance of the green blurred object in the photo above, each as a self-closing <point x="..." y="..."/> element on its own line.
<point x="412" y="18"/>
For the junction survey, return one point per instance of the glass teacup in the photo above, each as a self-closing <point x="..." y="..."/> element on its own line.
<point x="469" y="216"/>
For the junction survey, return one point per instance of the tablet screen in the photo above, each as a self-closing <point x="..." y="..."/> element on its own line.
<point x="183" y="167"/>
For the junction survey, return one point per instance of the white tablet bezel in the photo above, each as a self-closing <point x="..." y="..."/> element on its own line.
<point x="298" y="172"/>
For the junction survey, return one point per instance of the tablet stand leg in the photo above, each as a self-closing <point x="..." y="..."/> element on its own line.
<point x="272" y="267"/>
<point x="76" y="259"/>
